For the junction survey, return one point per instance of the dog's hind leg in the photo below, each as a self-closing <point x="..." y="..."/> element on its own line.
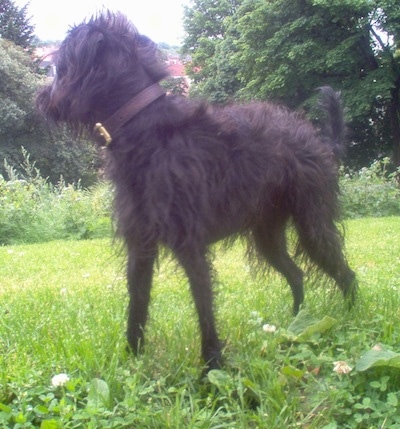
<point x="140" y="273"/>
<point x="322" y="241"/>
<point x="198" y="270"/>
<point x="270" y="241"/>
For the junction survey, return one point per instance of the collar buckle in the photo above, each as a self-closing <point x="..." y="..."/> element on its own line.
<point x="102" y="132"/>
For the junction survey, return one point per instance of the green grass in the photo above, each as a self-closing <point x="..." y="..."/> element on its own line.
<point x="63" y="310"/>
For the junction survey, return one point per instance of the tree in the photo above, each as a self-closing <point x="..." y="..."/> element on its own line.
<point x="284" y="49"/>
<point x="15" y="25"/>
<point x="290" y="48"/>
<point x="176" y="85"/>
<point x="387" y="19"/>
<point x="54" y="151"/>
<point x="206" y="23"/>
<point x="17" y="84"/>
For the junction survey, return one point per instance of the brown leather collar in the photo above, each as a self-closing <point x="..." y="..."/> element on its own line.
<point x="106" y="131"/>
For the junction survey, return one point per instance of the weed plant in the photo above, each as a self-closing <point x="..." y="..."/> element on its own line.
<point x="33" y="210"/>
<point x="373" y="191"/>
<point x="63" y="314"/>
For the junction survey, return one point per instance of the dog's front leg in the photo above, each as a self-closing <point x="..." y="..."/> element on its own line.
<point x="140" y="275"/>
<point x="198" y="271"/>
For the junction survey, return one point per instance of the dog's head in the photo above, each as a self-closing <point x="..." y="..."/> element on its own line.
<point x="99" y="66"/>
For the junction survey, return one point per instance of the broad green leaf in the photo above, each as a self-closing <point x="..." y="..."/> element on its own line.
<point x="5" y="408"/>
<point x="304" y="326"/>
<point x="374" y="358"/>
<point x="20" y="418"/>
<point x="392" y="399"/>
<point x="99" y="394"/>
<point x="41" y="409"/>
<point x="218" y="378"/>
<point x="332" y="425"/>
<point x="292" y="372"/>
<point x="49" y="424"/>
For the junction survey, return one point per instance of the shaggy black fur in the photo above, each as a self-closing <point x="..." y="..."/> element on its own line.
<point x="188" y="174"/>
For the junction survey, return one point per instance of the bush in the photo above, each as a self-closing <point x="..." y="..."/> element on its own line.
<point x="371" y="191"/>
<point x="54" y="149"/>
<point x="34" y="210"/>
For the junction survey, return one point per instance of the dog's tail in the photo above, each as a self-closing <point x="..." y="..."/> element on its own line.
<point x="334" y="128"/>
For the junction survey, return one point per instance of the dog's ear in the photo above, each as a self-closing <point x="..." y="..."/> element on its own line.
<point x="78" y="53"/>
<point x="77" y="69"/>
<point x="89" y="50"/>
<point x="150" y="57"/>
<point x="144" y="41"/>
<point x="97" y="39"/>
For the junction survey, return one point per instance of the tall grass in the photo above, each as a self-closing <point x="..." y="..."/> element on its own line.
<point x="63" y="312"/>
<point x="34" y="210"/>
<point x="373" y="191"/>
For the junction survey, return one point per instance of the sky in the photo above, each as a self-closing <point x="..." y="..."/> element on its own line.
<point x="161" y="20"/>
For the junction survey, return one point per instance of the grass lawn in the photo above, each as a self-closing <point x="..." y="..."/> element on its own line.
<point x="63" y="310"/>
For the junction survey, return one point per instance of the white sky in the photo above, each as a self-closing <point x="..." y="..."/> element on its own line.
<point x="161" y="20"/>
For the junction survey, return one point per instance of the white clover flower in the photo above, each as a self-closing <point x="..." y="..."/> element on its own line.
<point x="341" y="367"/>
<point x="377" y="348"/>
<point x="255" y="318"/>
<point x="269" y="328"/>
<point x="59" y="380"/>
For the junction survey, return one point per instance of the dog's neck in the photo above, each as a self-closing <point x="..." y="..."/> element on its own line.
<point x="104" y="132"/>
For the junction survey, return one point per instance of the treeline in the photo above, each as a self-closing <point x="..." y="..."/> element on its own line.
<point x="283" y="50"/>
<point x="280" y="50"/>
<point x="55" y="151"/>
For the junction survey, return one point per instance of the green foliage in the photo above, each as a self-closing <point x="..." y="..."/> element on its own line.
<point x="372" y="191"/>
<point x="175" y="85"/>
<point x="34" y="210"/>
<point x="59" y="153"/>
<point x="289" y="48"/>
<point x="378" y="357"/>
<point x="283" y="50"/>
<point x="63" y="312"/>
<point x="15" y="25"/>
<point x="18" y="81"/>
<point x="206" y="23"/>
<point x="54" y="151"/>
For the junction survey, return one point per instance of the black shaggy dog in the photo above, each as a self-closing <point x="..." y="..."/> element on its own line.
<point x="188" y="174"/>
